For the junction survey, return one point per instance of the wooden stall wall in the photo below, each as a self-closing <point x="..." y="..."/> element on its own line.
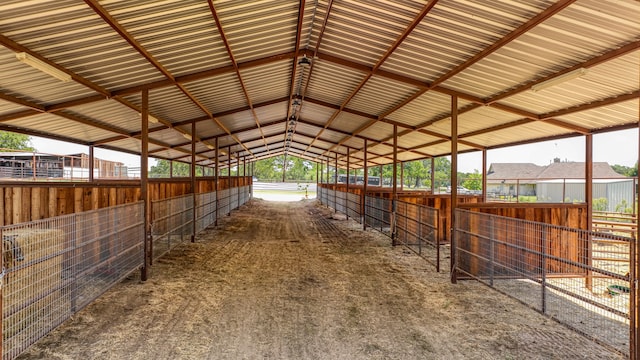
<point x="23" y="202"/>
<point x="28" y="201"/>
<point x="519" y="247"/>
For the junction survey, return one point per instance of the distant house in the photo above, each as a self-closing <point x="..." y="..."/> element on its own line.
<point x="559" y="182"/>
<point x="513" y="178"/>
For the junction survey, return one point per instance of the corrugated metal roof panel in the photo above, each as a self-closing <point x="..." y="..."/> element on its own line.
<point x="349" y="122"/>
<point x="180" y="34"/>
<point x="268" y="82"/>
<point x="256" y="29"/>
<point x="425" y="108"/>
<point x="332" y="83"/>
<point x="532" y="130"/>
<point x="25" y="82"/>
<point x="53" y="124"/>
<point x="363" y="31"/>
<point x="378" y="131"/>
<point x="68" y="32"/>
<point x="314" y="113"/>
<point x="218" y="93"/>
<point x="605" y="117"/>
<point x="183" y="37"/>
<point x="238" y="121"/>
<point x="380" y="95"/>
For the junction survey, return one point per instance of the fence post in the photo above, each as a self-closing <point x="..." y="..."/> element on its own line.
<point x="420" y="230"/>
<point x="492" y="245"/>
<point x="543" y="250"/>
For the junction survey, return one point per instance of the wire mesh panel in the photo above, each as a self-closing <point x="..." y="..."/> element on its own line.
<point x="378" y="214"/>
<point x="57" y="266"/>
<point x="171" y="223"/>
<point x="341" y="202"/>
<point x="205" y="210"/>
<point x="234" y="202"/>
<point x="322" y="195"/>
<point x="331" y="198"/>
<point x="416" y="227"/>
<point x="354" y="207"/>
<point x="223" y="202"/>
<point x="580" y="278"/>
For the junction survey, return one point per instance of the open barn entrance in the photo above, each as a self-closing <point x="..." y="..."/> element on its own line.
<point x="284" y="191"/>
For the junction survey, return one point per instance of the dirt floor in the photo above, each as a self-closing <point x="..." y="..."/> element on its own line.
<point x="285" y="281"/>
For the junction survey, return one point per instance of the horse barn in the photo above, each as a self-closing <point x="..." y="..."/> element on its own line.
<point x="199" y="268"/>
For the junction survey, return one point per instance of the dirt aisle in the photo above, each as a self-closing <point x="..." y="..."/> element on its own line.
<point x="283" y="281"/>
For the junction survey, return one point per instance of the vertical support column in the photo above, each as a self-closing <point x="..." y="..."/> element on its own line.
<point x="454" y="184"/>
<point x="588" y="191"/>
<point x="634" y="269"/>
<point x="364" y="187"/>
<point x="484" y="175"/>
<point x="92" y="160"/>
<point x="192" y="175"/>
<point x="335" y="185"/>
<point x="229" y="186"/>
<point x="433" y="175"/>
<point x="394" y="185"/>
<point x="216" y="178"/>
<point x="244" y="177"/>
<point x="346" y="202"/>
<point x="401" y="175"/>
<point x="144" y="184"/>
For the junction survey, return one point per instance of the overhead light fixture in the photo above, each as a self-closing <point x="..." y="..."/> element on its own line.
<point x="559" y="79"/>
<point x="292" y="123"/>
<point x="211" y="147"/>
<point x="296" y="102"/>
<point x="187" y="136"/>
<point x="43" y="66"/>
<point x="222" y="152"/>
<point x="305" y="61"/>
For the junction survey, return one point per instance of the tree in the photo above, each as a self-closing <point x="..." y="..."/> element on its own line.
<point x="473" y="181"/>
<point x="625" y="170"/>
<point x="417" y="171"/>
<point x="180" y="169"/>
<point x="13" y="141"/>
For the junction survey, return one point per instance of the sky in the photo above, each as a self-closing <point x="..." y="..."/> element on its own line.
<point x="616" y="148"/>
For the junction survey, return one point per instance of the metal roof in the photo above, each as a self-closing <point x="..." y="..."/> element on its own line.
<point x="234" y="69"/>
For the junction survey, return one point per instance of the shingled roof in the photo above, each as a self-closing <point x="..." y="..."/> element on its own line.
<point x="556" y="170"/>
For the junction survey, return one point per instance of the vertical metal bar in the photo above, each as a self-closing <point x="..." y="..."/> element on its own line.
<point x="401" y="176"/>
<point x="437" y="235"/>
<point x="420" y="223"/>
<point x="484" y="175"/>
<point x="144" y="182"/>
<point x="454" y="183"/>
<point x="216" y="180"/>
<point x="492" y="244"/>
<point x="433" y="175"/>
<point x="394" y="184"/>
<point x="346" y="210"/>
<point x="91" y="163"/>
<point x="363" y="197"/>
<point x="634" y="341"/>
<point x="335" y="187"/>
<point x="588" y="191"/>
<point x="543" y="250"/>
<point x="192" y="175"/>
<point x="229" y="180"/>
